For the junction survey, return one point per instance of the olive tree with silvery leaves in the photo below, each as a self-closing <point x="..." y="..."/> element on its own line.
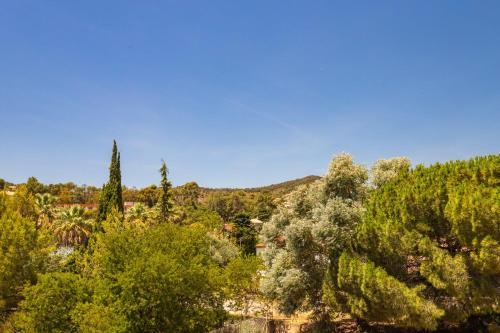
<point x="308" y="232"/>
<point x="313" y="227"/>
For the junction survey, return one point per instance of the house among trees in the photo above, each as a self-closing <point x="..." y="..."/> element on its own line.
<point x="128" y="204"/>
<point x="259" y="248"/>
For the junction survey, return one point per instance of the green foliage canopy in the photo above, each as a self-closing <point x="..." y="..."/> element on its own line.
<point x="245" y="235"/>
<point x="433" y="234"/>
<point x="24" y="251"/>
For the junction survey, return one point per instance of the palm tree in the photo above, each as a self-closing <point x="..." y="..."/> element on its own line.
<point x="45" y="208"/>
<point x="71" y="227"/>
<point x="137" y="213"/>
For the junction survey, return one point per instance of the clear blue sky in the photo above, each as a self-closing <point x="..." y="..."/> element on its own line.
<point x="242" y="93"/>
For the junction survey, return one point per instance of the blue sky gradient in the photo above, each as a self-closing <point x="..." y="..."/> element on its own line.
<point x="242" y="93"/>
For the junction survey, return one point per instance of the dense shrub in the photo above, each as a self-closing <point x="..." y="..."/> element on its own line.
<point x="161" y="280"/>
<point x="24" y="251"/>
<point x="48" y="305"/>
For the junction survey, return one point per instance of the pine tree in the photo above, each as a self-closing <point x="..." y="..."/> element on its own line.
<point x="165" y="196"/>
<point x="111" y="193"/>
<point x="427" y="250"/>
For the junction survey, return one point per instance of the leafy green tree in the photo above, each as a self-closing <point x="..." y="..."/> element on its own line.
<point x="134" y="281"/>
<point x="23" y="202"/>
<point x="237" y="204"/>
<point x="47" y="306"/>
<point x="111" y="193"/>
<point x="264" y="206"/>
<point x="206" y="218"/>
<point x="245" y="235"/>
<point x="220" y="204"/>
<point x="427" y="250"/>
<point x="149" y="195"/>
<point x="242" y="282"/>
<point x="2" y="184"/>
<point x="70" y="193"/>
<point x="187" y="194"/>
<point x="98" y="318"/>
<point x="24" y="252"/>
<point x="83" y="194"/>
<point x="157" y="286"/>
<point x="130" y="194"/>
<point x="166" y="195"/>
<point x="34" y="186"/>
<point x="227" y="205"/>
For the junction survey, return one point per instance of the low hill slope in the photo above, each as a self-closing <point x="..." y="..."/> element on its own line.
<point x="276" y="190"/>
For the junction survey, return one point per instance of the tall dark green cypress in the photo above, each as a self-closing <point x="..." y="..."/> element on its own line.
<point x="118" y="187"/>
<point x="111" y="193"/>
<point x="165" y="197"/>
<point x="102" y="211"/>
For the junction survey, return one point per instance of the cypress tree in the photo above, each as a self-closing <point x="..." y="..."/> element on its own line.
<point x="111" y="193"/>
<point x="103" y="203"/>
<point x="165" y="197"/>
<point x="118" y="186"/>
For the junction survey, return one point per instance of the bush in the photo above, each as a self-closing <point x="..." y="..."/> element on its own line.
<point x="97" y="318"/>
<point x="48" y="305"/>
<point x="161" y="280"/>
<point x="24" y="251"/>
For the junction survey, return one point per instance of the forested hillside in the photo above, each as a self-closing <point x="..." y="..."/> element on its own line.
<point x="71" y="193"/>
<point x="277" y="190"/>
